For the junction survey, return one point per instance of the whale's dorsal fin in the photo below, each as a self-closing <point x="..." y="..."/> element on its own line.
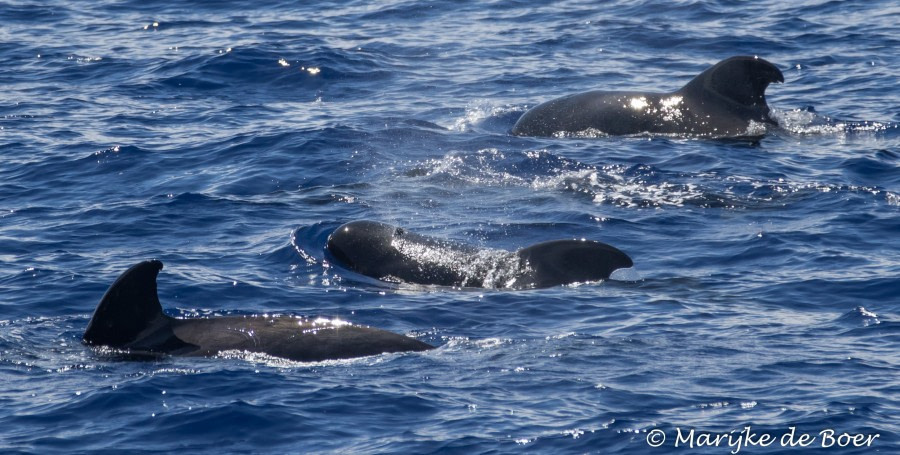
<point x="129" y="307"/>
<point x="567" y="261"/>
<point x="742" y="80"/>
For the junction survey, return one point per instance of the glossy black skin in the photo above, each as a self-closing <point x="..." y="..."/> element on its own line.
<point x="387" y="252"/>
<point x="130" y="318"/>
<point x="719" y="102"/>
<point x="367" y="247"/>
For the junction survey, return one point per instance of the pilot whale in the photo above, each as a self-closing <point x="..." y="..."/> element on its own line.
<point x="130" y="317"/>
<point x="720" y="102"/>
<point x="390" y="253"/>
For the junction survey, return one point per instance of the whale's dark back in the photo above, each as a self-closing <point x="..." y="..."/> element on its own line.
<point x="129" y="317"/>
<point x="719" y="102"/>
<point x="386" y="252"/>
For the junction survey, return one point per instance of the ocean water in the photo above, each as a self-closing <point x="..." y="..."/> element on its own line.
<point x="228" y="139"/>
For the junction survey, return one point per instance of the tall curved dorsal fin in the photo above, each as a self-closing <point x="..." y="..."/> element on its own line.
<point x="128" y="308"/>
<point x="741" y="79"/>
<point x="568" y="261"/>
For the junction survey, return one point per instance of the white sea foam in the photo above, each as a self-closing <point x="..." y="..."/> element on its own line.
<point x="626" y="186"/>
<point x="803" y="121"/>
<point x="480" y="110"/>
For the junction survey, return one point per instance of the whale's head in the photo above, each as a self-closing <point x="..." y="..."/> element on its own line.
<point x="365" y="246"/>
<point x="394" y="254"/>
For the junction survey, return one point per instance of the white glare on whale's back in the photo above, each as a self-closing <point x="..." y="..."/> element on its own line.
<point x="667" y="109"/>
<point x="488" y="267"/>
<point x="638" y="103"/>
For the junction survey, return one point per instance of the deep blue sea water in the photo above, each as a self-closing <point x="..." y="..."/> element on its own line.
<point x="228" y="139"/>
